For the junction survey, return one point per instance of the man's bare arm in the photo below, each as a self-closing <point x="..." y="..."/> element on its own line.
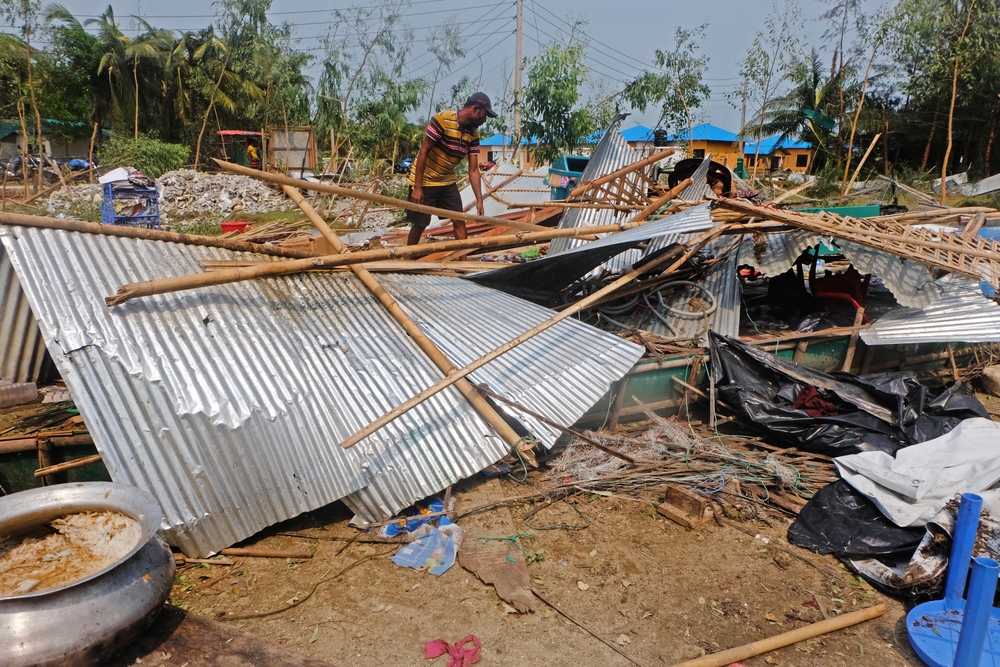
<point x="418" y="170"/>
<point x="476" y="182"/>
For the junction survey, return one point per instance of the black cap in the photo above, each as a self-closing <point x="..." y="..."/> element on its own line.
<point x="482" y="100"/>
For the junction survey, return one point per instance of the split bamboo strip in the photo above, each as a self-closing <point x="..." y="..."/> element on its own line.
<point x="279" y="179"/>
<point x="723" y="658"/>
<point x="17" y="220"/>
<point x="583" y="304"/>
<point x="975" y="258"/>
<point x="480" y="404"/>
<point x="272" y="269"/>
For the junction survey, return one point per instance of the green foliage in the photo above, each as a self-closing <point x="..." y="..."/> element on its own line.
<point x="549" y="110"/>
<point x="150" y="156"/>
<point x="677" y="86"/>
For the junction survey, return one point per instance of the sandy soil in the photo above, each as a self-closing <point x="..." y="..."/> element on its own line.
<point x="662" y="592"/>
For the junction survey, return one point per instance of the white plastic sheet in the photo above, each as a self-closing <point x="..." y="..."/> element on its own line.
<point x="912" y="487"/>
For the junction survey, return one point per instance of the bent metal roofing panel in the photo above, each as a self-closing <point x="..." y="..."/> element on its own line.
<point x="228" y="403"/>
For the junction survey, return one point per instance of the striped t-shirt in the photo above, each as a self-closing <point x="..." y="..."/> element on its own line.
<point x="452" y="144"/>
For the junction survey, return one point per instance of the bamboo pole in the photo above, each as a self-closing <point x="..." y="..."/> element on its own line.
<point x="41" y="222"/>
<point x="68" y="465"/>
<point x="272" y="269"/>
<point x="794" y="191"/>
<point x="857" y="171"/>
<point x="583" y="304"/>
<point x="723" y="658"/>
<point x="477" y="401"/>
<point x="280" y="179"/>
<point x="624" y="171"/>
<point x="90" y="155"/>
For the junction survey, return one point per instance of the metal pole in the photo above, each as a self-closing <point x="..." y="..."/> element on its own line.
<point x="517" y="80"/>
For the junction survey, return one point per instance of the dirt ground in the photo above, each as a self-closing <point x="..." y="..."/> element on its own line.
<point x="663" y="593"/>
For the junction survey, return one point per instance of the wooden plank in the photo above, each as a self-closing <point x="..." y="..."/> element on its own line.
<point x="199" y="642"/>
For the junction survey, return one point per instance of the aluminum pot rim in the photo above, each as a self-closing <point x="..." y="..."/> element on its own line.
<point x="62" y="499"/>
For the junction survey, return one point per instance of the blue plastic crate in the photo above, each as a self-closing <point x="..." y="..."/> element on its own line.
<point x="147" y="199"/>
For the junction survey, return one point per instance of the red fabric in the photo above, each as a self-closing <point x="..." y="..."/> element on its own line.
<point x="813" y="404"/>
<point x="459" y="655"/>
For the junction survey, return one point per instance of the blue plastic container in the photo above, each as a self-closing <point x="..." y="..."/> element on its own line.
<point x="570" y="168"/>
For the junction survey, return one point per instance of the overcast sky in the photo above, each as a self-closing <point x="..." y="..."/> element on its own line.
<point x="623" y="35"/>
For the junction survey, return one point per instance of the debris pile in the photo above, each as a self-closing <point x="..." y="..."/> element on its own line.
<point x="188" y="193"/>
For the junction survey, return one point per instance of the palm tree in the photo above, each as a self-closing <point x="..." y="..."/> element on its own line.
<point x="150" y="48"/>
<point x="808" y="111"/>
<point x="213" y="57"/>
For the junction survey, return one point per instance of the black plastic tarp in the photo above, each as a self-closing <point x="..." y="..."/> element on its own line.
<point x="880" y="412"/>
<point x="841" y="521"/>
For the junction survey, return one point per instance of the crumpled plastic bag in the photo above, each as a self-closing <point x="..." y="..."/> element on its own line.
<point x="434" y="548"/>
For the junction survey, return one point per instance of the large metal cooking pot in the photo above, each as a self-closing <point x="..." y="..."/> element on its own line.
<point x="85" y="622"/>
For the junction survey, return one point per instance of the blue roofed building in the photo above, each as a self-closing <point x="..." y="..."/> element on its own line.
<point x="708" y="139"/>
<point x="788" y="153"/>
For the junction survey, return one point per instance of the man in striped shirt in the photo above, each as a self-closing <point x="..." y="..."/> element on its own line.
<point x="450" y="137"/>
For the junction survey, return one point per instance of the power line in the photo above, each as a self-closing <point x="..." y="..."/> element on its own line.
<point x="465" y="37"/>
<point x="641" y="63"/>
<point x="591" y="46"/>
<point x="304" y="11"/>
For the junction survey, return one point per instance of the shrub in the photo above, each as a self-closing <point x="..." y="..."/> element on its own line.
<point x="150" y="156"/>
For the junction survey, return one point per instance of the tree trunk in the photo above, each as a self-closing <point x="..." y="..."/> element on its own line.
<point x="24" y="144"/>
<point x="135" y="77"/>
<point x="951" y="108"/>
<point x="989" y="141"/>
<point x="208" y="111"/>
<point x="930" y="137"/>
<point x="38" y="117"/>
<point x="854" y="121"/>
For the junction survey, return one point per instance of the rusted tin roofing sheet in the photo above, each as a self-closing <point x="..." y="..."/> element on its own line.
<point x="22" y="348"/>
<point x="228" y="403"/>
<point x="961" y="315"/>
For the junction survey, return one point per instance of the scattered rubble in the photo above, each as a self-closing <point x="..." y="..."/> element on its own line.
<point x="189" y="193"/>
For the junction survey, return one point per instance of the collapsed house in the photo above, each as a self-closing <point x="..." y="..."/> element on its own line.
<point x="229" y="402"/>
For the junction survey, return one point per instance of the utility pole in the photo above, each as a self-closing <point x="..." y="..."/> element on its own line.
<point x="517" y="82"/>
<point x="743" y="115"/>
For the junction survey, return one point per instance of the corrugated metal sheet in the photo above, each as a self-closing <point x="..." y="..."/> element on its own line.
<point x="699" y="188"/>
<point x="961" y="315"/>
<point x="22" y="348"/>
<point x="537" y="374"/>
<point x="611" y="154"/>
<point x="775" y="253"/>
<point x="526" y="187"/>
<point x="555" y="272"/>
<point x="910" y="282"/>
<point x="722" y="282"/>
<point x="227" y="403"/>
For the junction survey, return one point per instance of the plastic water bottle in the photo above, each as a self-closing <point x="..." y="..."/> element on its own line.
<point x="18" y="393"/>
